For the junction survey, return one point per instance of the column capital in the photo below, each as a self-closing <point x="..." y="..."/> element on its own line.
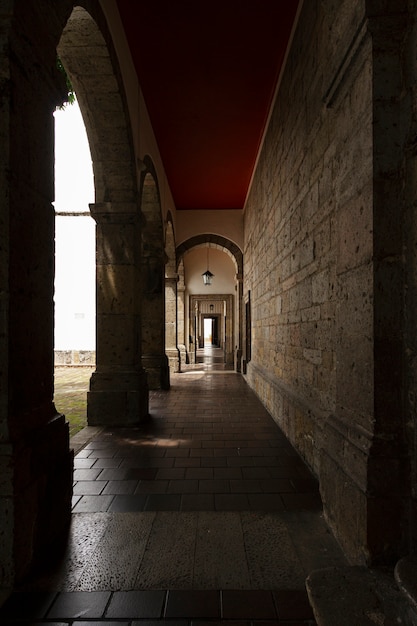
<point x="172" y="278"/>
<point x="114" y="212"/>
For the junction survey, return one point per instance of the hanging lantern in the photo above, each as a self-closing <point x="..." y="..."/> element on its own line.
<point x="207" y="276"/>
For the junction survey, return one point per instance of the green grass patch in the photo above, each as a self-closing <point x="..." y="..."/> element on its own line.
<point x="70" y="397"/>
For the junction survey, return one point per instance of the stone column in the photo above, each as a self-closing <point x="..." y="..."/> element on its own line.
<point x="118" y="388"/>
<point x="154" y="359"/>
<point x="239" y="324"/>
<point x="181" y="317"/>
<point x="171" y="347"/>
<point x="36" y="462"/>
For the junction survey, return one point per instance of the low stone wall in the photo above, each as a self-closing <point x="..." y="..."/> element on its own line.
<point x="75" y="357"/>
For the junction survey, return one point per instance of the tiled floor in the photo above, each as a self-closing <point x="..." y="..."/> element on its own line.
<point x="205" y="513"/>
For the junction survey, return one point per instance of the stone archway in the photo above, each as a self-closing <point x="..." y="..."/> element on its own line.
<point x="154" y="358"/>
<point x="172" y="330"/>
<point x="35" y="459"/>
<point x="235" y="253"/>
<point x="118" y="388"/>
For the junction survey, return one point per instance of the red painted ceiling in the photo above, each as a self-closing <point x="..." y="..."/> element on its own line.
<point x="208" y="72"/>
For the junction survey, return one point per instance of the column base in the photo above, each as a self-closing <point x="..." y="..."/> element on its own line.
<point x="42" y="468"/>
<point x="184" y="359"/>
<point x="117" y="399"/>
<point x="238" y="361"/>
<point x="174" y="360"/>
<point x="157" y="370"/>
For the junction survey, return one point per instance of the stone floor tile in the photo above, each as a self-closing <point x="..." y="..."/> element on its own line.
<point x="161" y="622"/>
<point x="120" y="487"/>
<point x="199" y="472"/>
<point x="74" y="500"/>
<point x="177" y="453"/>
<point x="103" y="453"/>
<point x="77" y="604"/>
<point x="272" y="558"/>
<point x="93" y="504"/>
<point x="86" y="474"/>
<point x="114" y="473"/>
<point x="197" y="502"/>
<point x="168" y="561"/>
<point x="89" y="623"/>
<point x="255" y="473"/>
<point x="201" y="452"/>
<point x="213" y="461"/>
<point x="163" y="502"/>
<point x="245" y="486"/>
<point x="83" y="454"/>
<point x="214" y="486"/>
<point x="136" y="604"/>
<point x="229" y="452"/>
<point x="183" y="486"/>
<point x="228" y="473"/>
<point x="106" y="463"/>
<point x="128" y="502"/>
<point x="265" y="502"/>
<point x="301" y="501"/>
<point x="238" y="461"/>
<point x="293" y="604"/>
<point x="193" y="604"/>
<point x="81" y="463"/>
<point x="231" y="502"/>
<point x="303" y="485"/>
<point x="152" y="486"/>
<point x="89" y="487"/>
<point x="175" y="473"/>
<point x="142" y="473"/>
<point x="220" y="557"/>
<point x="187" y="462"/>
<point x="279" y="472"/>
<point x="26" y="605"/>
<point x="254" y="604"/>
<point x="277" y="485"/>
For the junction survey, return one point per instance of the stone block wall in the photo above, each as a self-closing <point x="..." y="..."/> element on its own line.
<point x="74" y="357"/>
<point x="308" y="260"/>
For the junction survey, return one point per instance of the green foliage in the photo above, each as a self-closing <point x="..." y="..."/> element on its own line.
<point x="71" y="93"/>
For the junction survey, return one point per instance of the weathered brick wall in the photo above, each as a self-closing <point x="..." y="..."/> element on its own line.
<point x="308" y="256"/>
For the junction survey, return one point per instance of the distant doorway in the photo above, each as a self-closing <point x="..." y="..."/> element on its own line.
<point x="208" y="331"/>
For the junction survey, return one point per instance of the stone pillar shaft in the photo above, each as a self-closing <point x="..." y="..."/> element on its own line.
<point x="171" y="346"/>
<point x="118" y="388"/>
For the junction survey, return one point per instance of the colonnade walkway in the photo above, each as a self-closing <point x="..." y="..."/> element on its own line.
<point x="204" y="514"/>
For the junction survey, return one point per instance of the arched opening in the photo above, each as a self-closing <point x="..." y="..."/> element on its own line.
<point x="118" y="390"/>
<point x="174" y="310"/>
<point x="154" y="359"/>
<point x="221" y="301"/>
<point x="74" y="294"/>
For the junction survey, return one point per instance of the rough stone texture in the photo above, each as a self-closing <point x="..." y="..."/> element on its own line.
<point x="192" y="550"/>
<point x="323" y="266"/>
<point x="118" y="388"/>
<point x="154" y="358"/>
<point x="346" y="596"/>
<point x="406" y="578"/>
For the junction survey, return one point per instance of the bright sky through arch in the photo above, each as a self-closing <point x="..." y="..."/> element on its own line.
<point x="74" y="184"/>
